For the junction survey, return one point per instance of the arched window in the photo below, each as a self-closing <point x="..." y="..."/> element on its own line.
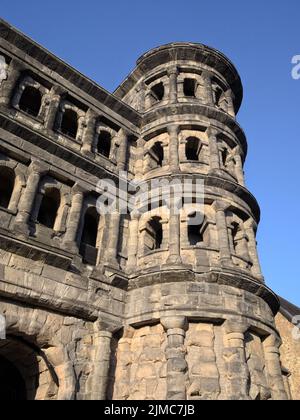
<point x="236" y="233"/>
<point x="88" y="246"/>
<point x="218" y="95"/>
<point x="154" y="234"/>
<point x="224" y="154"/>
<point x="189" y="88"/>
<point x="195" y="226"/>
<point x="7" y="183"/>
<point x="157" y="154"/>
<point x="158" y="91"/>
<point x="104" y="143"/>
<point x="31" y="101"/>
<point x="193" y="148"/>
<point x="49" y="208"/>
<point x="69" y="123"/>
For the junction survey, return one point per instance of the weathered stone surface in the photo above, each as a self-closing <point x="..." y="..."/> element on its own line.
<point x="142" y="305"/>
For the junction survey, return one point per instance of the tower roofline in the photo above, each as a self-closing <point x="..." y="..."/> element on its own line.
<point x="177" y="51"/>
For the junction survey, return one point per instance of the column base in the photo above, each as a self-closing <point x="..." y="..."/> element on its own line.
<point x="174" y="260"/>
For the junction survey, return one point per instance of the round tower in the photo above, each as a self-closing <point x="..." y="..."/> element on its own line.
<point x="199" y="318"/>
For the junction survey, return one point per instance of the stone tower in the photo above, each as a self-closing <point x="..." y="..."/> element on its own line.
<point x="144" y="305"/>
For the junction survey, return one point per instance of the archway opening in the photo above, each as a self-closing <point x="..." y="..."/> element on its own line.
<point x="69" y="124"/>
<point x="49" y="208"/>
<point x="104" y="143"/>
<point x="31" y="101"/>
<point x="12" y="384"/>
<point x="88" y="246"/>
<point x="193" y="148"/>
<point x="7" y="183"/>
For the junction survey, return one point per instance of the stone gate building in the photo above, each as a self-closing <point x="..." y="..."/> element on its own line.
<point x="142" y="305"/>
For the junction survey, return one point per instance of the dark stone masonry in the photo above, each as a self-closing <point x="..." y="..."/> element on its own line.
<point x="142" y="305"/>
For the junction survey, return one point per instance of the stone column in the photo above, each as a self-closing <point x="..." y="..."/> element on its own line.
<point x="250" y="227"/>
<point x="221" y="222"/>
<point x="89" y="133"/>
<point x="173" y="73"/>
<point x="140" y="91"/>
<point x="173" y="131"/>
<point x="54" y="100"/>
<point x="230" y="105"/>
<point x="174" y="233"/>
<point x="139" y="164"/>
<point x="242" y="244"/>
<point x="122" y="155"/>
<point x="133" y="240"/>
<point x="208" y="88"/>
<point x="113" y="240"/>
<point x="237" y="375"/>
<point x="98" y="383"/>
<point x="148" y="101"/>
<point x="214" y="153"/>
<point x="239" y="166"/>
<point x="177" y="367"/>
<point x="70" y="239"/>
<point x="14" y="72"/>
<point x="36" y="170"/>
<point x="273" y="368"/>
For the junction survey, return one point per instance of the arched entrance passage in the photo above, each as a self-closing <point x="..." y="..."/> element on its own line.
<point x="12" y="384"/>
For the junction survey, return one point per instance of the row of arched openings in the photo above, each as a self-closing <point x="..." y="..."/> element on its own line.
<point x="155" y="233"/>
<point x="31" y="103"/>
<point x="48" y="212"/>
<point x="192" y="151"/>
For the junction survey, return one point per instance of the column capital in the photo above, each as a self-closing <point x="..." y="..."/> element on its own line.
<point x="212" y="132"/>
<point x="173" y="70"/>
<point x="38" y="167"/>
<point x="123" y="132"/>
<point x="79" y="189"/>
<point x="219" y="205"/>
<point x="237" y="151"/>
<point x="174" y="322"/>
<point x="235" y="326"/>
<point x="250" y="224"/>
<point x="206" y="75"/>
<point x="135" y="215"/>
<point x="173" y="129"/>
<point x="272" y="342"/>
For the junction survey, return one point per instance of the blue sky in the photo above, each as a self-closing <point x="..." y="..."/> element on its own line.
<point x="103" y="39"/>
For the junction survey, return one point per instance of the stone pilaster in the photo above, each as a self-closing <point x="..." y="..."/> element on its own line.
<point x="273" y="368"/>
<point x="174" y="233"/>
<point x="230" y="105"/>
<point x="148" y="100"/>
<point x="214" y="153"/>
<point x="173" y="131"/>
<point x="223" y="237"/>
<point x="209" y="98"/>
<point x="36" y="170"/>
<point x="133" y="240"/>
<point x="239" y="166"/>
<point x="236" y="375"/>
<point x="173" y="73"/>
<point x="98" y="383"/>
<point x="14" y="72"/>
<point x="176" y="328"/>
<point x="112" y="250"/>
<point x="89" y="133"/>
<point x="139" y="165"/>
<point x="122" y="155"/>
<point x="74" y="218"/>
<point x="250" y="227"/>
<point x="54" y="100"/>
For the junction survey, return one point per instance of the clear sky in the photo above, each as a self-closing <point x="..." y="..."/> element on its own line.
<point x="103" y="39"/>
